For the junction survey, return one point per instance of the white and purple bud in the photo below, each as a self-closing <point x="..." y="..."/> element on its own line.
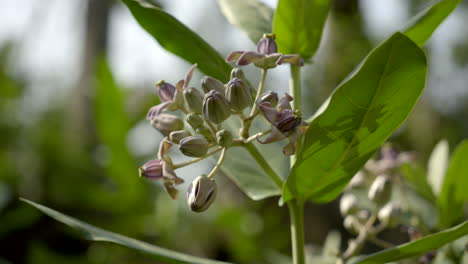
<point x="194" y="99"/>
<point x="348" y="204"/>
<point x="201" y="193"/>
<point x="390" y="214"/>
<point x="167" y="123"/>
<point x="209" y="83"/>
<point x="166" y="91"/>
<point x="194" y="146"/>
<point x="238" y="95"/>
<point x="152" y="169"/>
<point x="267" y="45"/>
<point x="216" y="107"/>
<point x="288" y="121"/>
<point x="176" y="136"/>
<point x="269" y="97"/>
<point x="381" y="190"/>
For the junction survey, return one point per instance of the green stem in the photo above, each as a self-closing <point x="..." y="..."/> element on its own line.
<point x="295" y="90"/>
<point x="218" y="164"/>
<point x="183" y="164"/>
<point x="261" y="87"/>
<point x="264" y="164"/>
<point x="296" y="214"/>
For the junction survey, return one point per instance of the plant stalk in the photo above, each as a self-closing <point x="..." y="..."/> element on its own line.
<point x="295" y="91"/>
<point x="296" y="214"/>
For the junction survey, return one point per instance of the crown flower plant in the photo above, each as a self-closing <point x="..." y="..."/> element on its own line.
<point x="332" y="154"/>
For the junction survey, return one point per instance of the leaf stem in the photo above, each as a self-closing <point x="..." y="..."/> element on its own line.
<point x="250" y="147"/>
<point x="218" y="164"/>
<point x="261" y="87"/>
<point x="296" y="214"/>
<point x="183" y="164"/>
<point x="295" y="90"/>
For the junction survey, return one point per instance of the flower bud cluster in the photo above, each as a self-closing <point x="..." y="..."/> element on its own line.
<point x="193" y="119"/>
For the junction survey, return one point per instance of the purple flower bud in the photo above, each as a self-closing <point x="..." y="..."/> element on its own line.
<point x="267" y="45"/>
<point x="238" y="95"/>
<point x="270" y="97"/>
<point x="167" y="123"/>
<point x="152" y="169"/>
<point x="165" y="91"/>
<point x="216" y="107"/>
<point x="209" y="83"/>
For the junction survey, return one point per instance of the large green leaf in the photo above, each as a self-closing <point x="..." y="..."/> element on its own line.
<point x="365" y="109"/>
<point x="179" y="39"/>
<point x="421" y="27"/>
<point x="97" y="234"/>
<point x="298" y="25"/>
<point x="417" y="247"/>
<point x="453" y="195"/>
<point x="251" y="16"/>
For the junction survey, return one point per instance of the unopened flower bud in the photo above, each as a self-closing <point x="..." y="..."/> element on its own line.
<point x="380" y="190"/>
<point x="209" y="83"/>
<point x="216" y="107"/>
<point x="270" y="97"/>
<point x="237" y="73"/>
<point x="194" y="146"/>
<point x="166" y="91"/>
<point x="178" y="135"/>
<point x="201" y="193"/>
<point x="267" y="45"/>
<point x="389" y="214"/>
<point x="224" y="138"/>
<point x="238" y="95"/>
<point x="205" y="132"/>
<point x="194" y="99"/>
<point x="194" y="120"/>
<point x="351" y="223"/>
<point x="152" y="169"/>
<point x="167" y="123"/>
<point x="348" y="204"/>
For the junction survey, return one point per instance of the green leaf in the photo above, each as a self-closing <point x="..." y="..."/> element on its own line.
<point x="298" y="25"/>
<point x="437" y="166"/>
<point x="453" y="195"/>
<point x="97" y="234"/>
<point x="417" y="247"/>
<point x="251" y="16"/>
<point x="365" y="109"/>
<point x="179" y="39"/>
<point x="421" y="27"/>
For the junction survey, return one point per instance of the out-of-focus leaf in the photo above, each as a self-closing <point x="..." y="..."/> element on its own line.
<point x="251" y="16"/>
<point x="113" y="124"/>
<point x="453" y="195"/>
<point x="417" y="247"/>
<point x="298" y="25"/>
<point x="416" y="176"/>
<point x="437" y="166"/>
<point x="179" y="39"/>
<point x="366" y="108"/>
<point x="421" y="27"/>
<point x="97" y="234"/>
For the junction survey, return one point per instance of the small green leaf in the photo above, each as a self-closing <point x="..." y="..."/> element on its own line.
<point x="453" y="195"/>
<point x="251" y="16"/>
<point x="417" y="247"/>
<point x="437" y="166"/>
<point x="298" y="25"/>
<point x="97" y="234"/>
<point x="421" y="27"/>
<point x="369" y="105"/>
<point x="179" y="39"/>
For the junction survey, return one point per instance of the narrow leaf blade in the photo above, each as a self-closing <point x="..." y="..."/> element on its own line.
<point x="179" y="39"/>
<point x="417" y="247"/>
<point x="97" y="234"/>
<point x="437" y="166"/>
<point x="421" y="27"/>
<point x="251" y="16"/>
<point x="363" y="112"/>
<point x="298" y="25"/>
<point x="453" y="195"/>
